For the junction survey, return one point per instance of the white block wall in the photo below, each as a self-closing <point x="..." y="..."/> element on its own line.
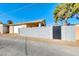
<point x="38" y="32"/>
<point x="16" y="28"/>
<point x="68" y="33"/>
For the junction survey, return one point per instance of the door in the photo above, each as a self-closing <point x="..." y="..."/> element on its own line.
<point x="57" y="32"/>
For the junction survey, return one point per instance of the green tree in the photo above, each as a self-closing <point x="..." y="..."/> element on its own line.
<point x="1" y="22"/>
<point x="63" y="12"/>
<point x="75" y="10"/>
<point x="10" y="22"/>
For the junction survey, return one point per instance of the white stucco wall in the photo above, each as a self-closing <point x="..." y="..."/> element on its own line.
<point x="1" y="28"/>
<point x="16" y="28"/>
<point x="11" y="29"/>
<point x="38" y="32"/>
<point x="68" y="33"/>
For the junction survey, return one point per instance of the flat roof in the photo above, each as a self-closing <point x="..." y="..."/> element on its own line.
<point x="33" y="21"/>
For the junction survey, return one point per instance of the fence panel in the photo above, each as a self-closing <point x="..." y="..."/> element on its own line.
<point x="38" y="32"/>
<point x="68" y="33"/>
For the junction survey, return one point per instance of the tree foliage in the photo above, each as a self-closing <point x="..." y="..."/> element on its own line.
<point x="10" y="22"/>
<point x="65" y="11"/>
<point x="1" y="22"/>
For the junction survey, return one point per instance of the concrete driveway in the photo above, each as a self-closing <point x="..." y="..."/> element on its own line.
<point x="13" y="45"/>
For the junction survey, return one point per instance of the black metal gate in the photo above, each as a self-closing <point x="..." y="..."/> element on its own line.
<point x="56" y="32"/>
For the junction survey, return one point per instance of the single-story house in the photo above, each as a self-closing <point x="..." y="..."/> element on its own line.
<point x="13" y="28"/>
<point x="39" y="29"/>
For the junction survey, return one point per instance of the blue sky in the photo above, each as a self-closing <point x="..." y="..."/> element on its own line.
<point x="23" y="12"/>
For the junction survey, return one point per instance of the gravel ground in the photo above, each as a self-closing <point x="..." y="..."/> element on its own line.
<point x="44" y="49"/>
<point x="11" y="45"/>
